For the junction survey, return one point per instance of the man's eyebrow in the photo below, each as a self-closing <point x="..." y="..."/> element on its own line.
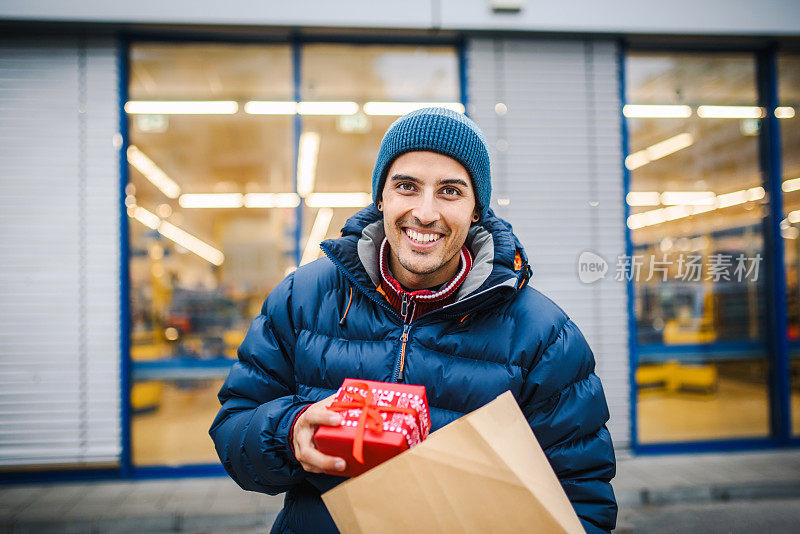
<point x="400" y="177"/>
<point x="453" y="181"/>
<point x="444" y="181"/>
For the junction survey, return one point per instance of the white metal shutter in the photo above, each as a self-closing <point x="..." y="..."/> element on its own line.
<point x="59" y="252"/>
<point x="556" y="152"/>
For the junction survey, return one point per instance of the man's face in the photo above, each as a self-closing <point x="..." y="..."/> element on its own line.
<point x="428" y="206"/>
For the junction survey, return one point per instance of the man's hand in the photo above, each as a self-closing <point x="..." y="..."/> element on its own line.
<point x="306" y="453"/>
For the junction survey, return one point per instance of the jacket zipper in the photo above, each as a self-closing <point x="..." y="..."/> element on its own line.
<point x="400" y="362"/>
<point x="401" y="358"/>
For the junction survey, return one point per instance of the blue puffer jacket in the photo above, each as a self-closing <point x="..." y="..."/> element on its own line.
<point x="499" y="334"/>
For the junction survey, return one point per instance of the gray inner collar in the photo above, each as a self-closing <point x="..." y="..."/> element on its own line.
<point x="479" y="241"/>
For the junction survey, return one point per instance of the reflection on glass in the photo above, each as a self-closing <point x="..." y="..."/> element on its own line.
<point x="696" y="213"/>
<point x="789" y="113"/>
<point x="202" y="259"/>
<point x="373" y="85"/>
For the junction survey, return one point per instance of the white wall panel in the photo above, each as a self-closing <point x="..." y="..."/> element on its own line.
<point x="59" y="252"/>
<point x="557" y="159"/>
<point x="711" y="17"/>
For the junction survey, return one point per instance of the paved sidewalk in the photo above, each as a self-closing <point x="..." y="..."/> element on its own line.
<point x="694" y="478"/>
<point x="172" y="505"/>
<point x="216" y="504"/>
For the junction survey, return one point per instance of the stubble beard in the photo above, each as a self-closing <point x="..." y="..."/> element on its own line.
<point x="419" y="271"/>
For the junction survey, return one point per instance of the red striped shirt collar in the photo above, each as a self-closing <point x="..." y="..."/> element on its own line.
<point x="425" y="295"/>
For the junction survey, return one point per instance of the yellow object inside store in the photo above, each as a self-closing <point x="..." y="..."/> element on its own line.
<point x="213" y="206"/>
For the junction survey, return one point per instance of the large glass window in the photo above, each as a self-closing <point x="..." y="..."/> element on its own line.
<point x="199" y="270"/>
<point x="789" y="114"/>
<point x="218" y="179"/>
<point x="696" y="204"/>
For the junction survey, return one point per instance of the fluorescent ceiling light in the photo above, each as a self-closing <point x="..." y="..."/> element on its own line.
<point x="669" y="146"/>
<point x="643" y="198"/>
<point x="739" y="197"/>
<point x="282" y="107"/>
<point x="185" y="107"/>
<point x="256" y="107"/>
<point x="327" y="108"/>
<point x="784" y="112"/>
<point x="658" y="216"/>
<point x="401" y="108"/>
<point x="317" y="234"/>
<point x="151" y="220"/>
<point x="659" y="150"/>
<point x="179" y="236"/>
<point x="636" y="160"/>
<point x="730" y="112"/>
<point x="675" y="212"/>
<point x="271" y="200"/>
<point x="338" y="200"/>
<point x="687" y="198"/>
<point x="211" y="200"/>
<point x="191" y="243"/>
<point x="790" y="233"/>
<point x="307" y="163"/>
<point x="791" y="185"/>
<point x="636" y="111"/>
<point x="731" y="199"/>
<point x="152" y="172"/>
<point x="702" y="208"/>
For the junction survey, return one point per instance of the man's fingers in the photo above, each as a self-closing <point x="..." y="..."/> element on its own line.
<point x="315" y="459"/>
<point x="306" y="453"/>
<point x="310" y="468"/>
<point x="322" y="417"/>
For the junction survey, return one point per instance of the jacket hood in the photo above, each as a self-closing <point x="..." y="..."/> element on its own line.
<point x="499" y="270"/>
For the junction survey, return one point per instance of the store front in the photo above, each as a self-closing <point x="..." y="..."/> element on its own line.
<point x="233" y="158"/>
<point x="264" y="181"/>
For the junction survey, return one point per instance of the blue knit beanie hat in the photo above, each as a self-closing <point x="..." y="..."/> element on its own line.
<point x="437" y="130"/>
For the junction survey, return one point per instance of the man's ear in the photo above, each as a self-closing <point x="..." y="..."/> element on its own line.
<point x="475" y="216"/>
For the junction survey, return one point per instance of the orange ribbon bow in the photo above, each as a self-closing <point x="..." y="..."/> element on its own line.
<point x="370" y="417"/>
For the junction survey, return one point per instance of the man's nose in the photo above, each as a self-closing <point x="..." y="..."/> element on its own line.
<point x="426" y="211"/>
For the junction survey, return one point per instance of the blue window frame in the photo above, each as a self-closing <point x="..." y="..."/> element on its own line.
<point x="776" y="339"/>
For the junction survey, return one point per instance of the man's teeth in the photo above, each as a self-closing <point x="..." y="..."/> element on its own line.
<point x="420" y="237"/>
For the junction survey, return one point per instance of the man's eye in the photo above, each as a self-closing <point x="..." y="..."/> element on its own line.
<point x="451" y="191"/>
<point x="405" y="186"/>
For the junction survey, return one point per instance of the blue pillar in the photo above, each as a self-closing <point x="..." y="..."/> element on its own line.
<point x="298" y="129"/>
<point x="771" y="171"/>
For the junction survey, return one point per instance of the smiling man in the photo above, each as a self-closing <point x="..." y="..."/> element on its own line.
<point x="429" y="205"/>
<point x="426" y="286"/>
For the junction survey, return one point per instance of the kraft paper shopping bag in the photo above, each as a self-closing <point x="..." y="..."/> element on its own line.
<point x="484" y="472"/>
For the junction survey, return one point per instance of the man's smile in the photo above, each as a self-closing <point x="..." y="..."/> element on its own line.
<point x="420" y="237"/>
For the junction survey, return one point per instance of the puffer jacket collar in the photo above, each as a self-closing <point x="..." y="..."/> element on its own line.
<point x="500" y="267"/>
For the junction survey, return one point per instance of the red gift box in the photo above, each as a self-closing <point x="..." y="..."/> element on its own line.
<point x="379" y="421"/>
